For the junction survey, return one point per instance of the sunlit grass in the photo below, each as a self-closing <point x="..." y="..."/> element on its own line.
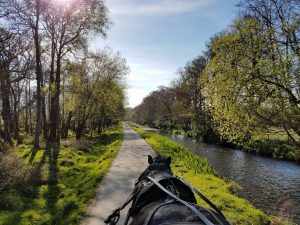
<point x="58" y="192"/>
<point x="201" y="175"/>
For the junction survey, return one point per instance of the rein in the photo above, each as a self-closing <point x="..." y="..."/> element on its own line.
<point x="196" y="211"/>
<point x="115" y="216"/>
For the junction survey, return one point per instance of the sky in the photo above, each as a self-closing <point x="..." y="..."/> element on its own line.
<point x="157" y="37"/>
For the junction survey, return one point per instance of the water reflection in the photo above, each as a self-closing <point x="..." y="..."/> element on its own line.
<point x="270" y="184"/>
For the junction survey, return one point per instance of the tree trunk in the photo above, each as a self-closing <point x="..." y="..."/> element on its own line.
<point x="6" y="111"/>
<point x="26" y="122"/>
<point x="38" y="71"/>
<point x="44" y="117"/>
<point x="66" y="127"/>
<point x="54" y="134"/>
<point x="79" y="130"/>
<point x="57" y="102"/>
<point x="16" y="114"/>
<point x="290" y="137"/>
<point x="30" y="108"/>
<point x="99" y="126"/>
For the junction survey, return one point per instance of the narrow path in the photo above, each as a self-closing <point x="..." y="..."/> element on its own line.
<point x="118" y="182"/>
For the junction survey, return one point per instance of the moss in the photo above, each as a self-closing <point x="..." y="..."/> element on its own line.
<point x="60" y="190"/>
<point x="201" y="175"/>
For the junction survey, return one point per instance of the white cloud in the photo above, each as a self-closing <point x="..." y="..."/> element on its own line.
<point x="156" y="7"/>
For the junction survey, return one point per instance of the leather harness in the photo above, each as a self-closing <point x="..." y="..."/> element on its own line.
<point x="147" y="183"/>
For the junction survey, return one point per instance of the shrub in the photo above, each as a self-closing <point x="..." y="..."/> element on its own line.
<point x="12" y="171"/>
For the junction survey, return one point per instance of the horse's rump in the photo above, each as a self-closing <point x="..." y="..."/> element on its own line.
<point x="181" y="223"/>
<point x="151" y="192"/>
<point x="159" y="198"/>
<point x="176" y="213"/>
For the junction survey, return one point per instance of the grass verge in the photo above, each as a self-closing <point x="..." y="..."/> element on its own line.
<point x="220" y="190"/>
<point x="58" y="191"/>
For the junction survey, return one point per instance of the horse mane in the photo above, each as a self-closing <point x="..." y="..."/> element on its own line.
<point x="159" y="159"/>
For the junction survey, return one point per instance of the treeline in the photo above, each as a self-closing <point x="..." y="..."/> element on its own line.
<point x="246" y="84"/>
<point x="51" y="81"/>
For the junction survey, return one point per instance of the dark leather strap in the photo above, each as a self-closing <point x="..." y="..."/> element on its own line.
<point x="153" y="211"/>
<point x="114" y="217"/>
<point x="205" y="199"/>
<point x="196" y="211"/>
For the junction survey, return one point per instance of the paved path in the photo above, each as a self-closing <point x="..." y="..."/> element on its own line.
<point x="118" y="182"/>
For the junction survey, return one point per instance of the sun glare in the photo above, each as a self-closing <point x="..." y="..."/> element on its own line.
<point x="63" y="3"/>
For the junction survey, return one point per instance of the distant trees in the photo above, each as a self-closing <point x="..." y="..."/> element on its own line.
<point x="180" y="106"/>
<point x="246" y="84"/>
<point x="50" y="83"/>
<point x="192" y="87"/>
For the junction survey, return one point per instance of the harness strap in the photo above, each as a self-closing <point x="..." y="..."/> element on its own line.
<point x="113" y="218"/>
<point x="197" y="212"/>
<point x="205" y="199"/>
<point x="153" y="211"/>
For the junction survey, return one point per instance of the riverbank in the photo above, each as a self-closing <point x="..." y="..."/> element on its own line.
<point x="57" y="191"/>
<point x="202" y="176"/>
<point x="273" y="148"/>
<point x="272" y="145"/>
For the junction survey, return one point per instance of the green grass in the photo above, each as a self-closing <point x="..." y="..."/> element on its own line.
<point x="274" y="143"/>
<point x="274" y="148"/>
<point x="58" y="191"/>
<point x="276" y="134"/>
<point x="204" y="178"/>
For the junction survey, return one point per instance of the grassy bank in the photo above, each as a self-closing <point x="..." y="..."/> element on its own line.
<point x="273" y="148"/>
<point x="57" y="191"/>
<point x="203" y="177"/>
<point x="273" y="144"/>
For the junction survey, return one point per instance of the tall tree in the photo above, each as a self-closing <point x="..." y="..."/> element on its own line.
<point x="15" y="64"/>
<point x="67" y="27"/>
<point x="25" y="15"/>
<point x="251" y="82"/>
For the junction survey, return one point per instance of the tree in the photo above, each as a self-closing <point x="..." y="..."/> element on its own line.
<point x="95" y="95"/>
<point x="6" y="59"/>
<point x="67" y="27"/>
<point x="25" y="16"/>
<point x="15" y="65"/>
<point x="249" y="83"/>
<point x="191" y="84"/>
<point x="59" y="32"/>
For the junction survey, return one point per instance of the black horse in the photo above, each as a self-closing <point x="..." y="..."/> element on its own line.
<point x="161" y="198"/>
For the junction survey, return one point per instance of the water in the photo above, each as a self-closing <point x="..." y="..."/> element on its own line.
<point x="269" y="184"/>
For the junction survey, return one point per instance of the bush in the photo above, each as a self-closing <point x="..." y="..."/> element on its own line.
<point x="12" y="171"/>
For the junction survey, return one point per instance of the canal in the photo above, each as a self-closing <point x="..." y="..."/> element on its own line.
<point x="269" y="184"/>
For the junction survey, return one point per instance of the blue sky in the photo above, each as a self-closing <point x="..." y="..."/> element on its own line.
<point x="159" y="36"/>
